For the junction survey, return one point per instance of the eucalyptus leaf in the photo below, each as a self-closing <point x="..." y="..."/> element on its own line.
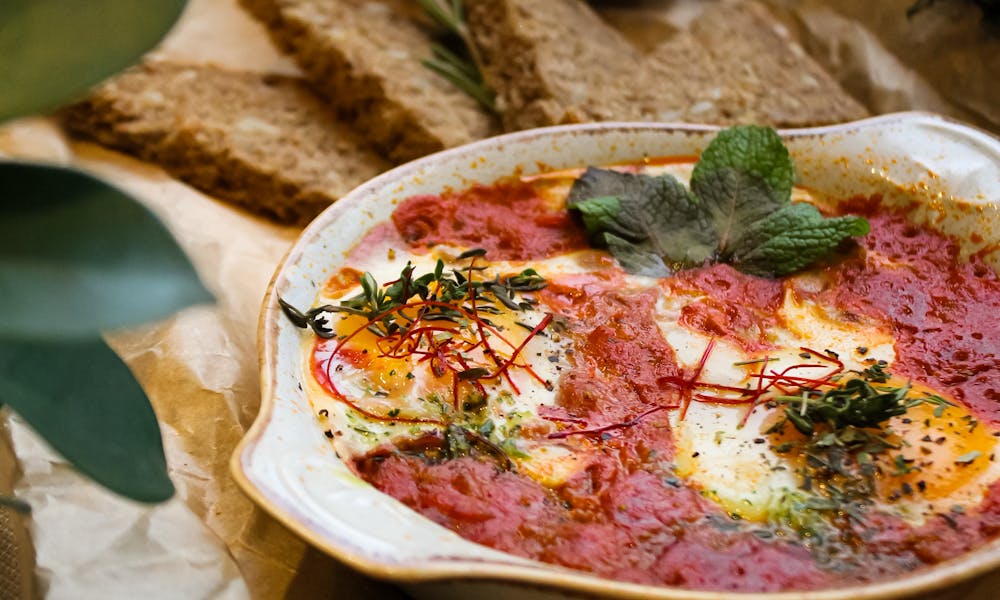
<point x="78" y="256"/>
<point x="53" y="50"/>
<point x="81" y="398"/>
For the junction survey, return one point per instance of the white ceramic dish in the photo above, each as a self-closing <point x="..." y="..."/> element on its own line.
<point x="288" y="467"/>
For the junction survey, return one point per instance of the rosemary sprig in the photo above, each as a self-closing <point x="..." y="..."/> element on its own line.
<point x="448" y="15"/>
<point x="458" y="64"/>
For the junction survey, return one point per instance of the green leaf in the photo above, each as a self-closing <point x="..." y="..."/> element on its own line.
<point x="600" y="215"/>
<point x="81" y="398"/>
<point x="791" y="239"/>
<point x="740" y="213"/>
<point x="655" y="214"/>
<point x="636" y="258"/>
<point x="52" y="50"/>
<point x="733" y="200"/>
<point x="78" y="256"/>
<point x="754" y="151"/>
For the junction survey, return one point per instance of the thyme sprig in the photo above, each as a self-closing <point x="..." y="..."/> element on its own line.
<point x="453" y="56"/>
<point x="438" y="318"/>
<point x="455" y="291"/>
<point x="450" y="293"/>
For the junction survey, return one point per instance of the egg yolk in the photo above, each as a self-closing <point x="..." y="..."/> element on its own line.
<point x="942" y="454"/>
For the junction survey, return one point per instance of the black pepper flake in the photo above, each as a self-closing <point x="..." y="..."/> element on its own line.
<point x="940" y="440"/>
<point x="921" y="485"/>
<point x="862" y="350"/>
<point x="328" y="433"/>
<point x="907" y="420"/>
<point x="759" y="440"/>
<point x="324" y="413"/>
<point x="926" y="438"/>
<point x="907" y="489"/>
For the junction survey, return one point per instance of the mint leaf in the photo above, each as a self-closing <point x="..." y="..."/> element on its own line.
<point x="638" y="259"/>
<point x="644" y="214"/>
<point x="601" y="215"/>
<point x="790" y="239"/>
<point x="753" y="151"/>
<point x="739" y="212"/>
<point x="732" y="199"/>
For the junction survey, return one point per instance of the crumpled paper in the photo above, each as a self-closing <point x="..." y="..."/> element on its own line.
<point x="199" y="367"/>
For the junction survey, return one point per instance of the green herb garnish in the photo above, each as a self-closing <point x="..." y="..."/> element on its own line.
<point x="848" y="441"/>
<point x="452" y="57"/>
<point x="967" y="458"/>
<point x="738" y="211"/>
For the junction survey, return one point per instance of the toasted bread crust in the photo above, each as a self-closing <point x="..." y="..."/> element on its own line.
<point x="265" y="143"/>
<point x="558" y="62"/>
<point x="365" y="59"/>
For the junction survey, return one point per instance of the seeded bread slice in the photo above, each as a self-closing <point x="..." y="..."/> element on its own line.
<point x="769" y="77"/>
<point x="263" y="142"/>
<point x="364" y="57"/>
<point x="558" y="62"/>
<point x="551" y="62"/>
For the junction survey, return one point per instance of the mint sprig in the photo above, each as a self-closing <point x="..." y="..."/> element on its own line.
<point x="738" y="211"/>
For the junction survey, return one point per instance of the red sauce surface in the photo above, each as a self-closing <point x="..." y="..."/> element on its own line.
<point x="944" y="313"/>
<point x="736" y="306"/>
<point x="624" y="516"/>
<point x="621" y="357"/>
<point x="509" y="220"/>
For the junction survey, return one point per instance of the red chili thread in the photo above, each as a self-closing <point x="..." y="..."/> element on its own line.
<point x="605" y="428"/>
<point x="438" y="353"/>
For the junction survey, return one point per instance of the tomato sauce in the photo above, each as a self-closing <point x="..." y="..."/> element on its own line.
<point x="942" y="311"/>
<point x="737" y="307"/>
<point x="625" y="515"/>
<point x="509" y="220"/>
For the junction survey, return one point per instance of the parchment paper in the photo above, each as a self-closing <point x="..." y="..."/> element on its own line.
<point x="199" y="367"/>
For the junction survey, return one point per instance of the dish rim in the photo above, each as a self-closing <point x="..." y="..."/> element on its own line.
<point x="553" y="577"/>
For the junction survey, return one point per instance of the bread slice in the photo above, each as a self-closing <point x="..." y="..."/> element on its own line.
<point x="266" y="143"/>
<point x="769" y="78"/>
<point x="364" y="57"/>
<point x="552" y="62"/>
<point x="558" y="62"/>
